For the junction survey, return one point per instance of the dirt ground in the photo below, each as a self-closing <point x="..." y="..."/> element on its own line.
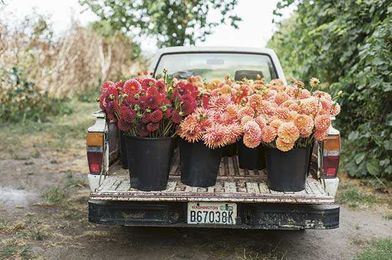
<point x="43" y="211"/>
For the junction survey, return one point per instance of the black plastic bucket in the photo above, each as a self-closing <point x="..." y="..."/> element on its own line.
<point x="149" y="162"/>
<point x="229" y="150"/>
<point x="251" y="158"/>
<point x="123" y="151"/>
<point x="287" y="171"/>
<point x="199" y="164"/>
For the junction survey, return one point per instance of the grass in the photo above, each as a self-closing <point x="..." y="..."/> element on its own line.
<point x="54" y="196"/>
<point x="16" y="251"/>
<point x="378" y="250"/>
<point x="353" y="197"/>
<point x="60" y="133"/>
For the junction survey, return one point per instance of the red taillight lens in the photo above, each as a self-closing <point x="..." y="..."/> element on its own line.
<point x="331" y="156"/>
<point x="94" y="162"/>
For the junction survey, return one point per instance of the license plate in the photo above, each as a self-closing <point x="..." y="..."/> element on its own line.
<point x="212" y="213"/>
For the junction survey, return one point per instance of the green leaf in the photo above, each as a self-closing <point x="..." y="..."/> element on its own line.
<point x="353" y="135"/>
<point x="359" y="158"/>
<point x="388" y="145"/>
<point x="373" y="167"/>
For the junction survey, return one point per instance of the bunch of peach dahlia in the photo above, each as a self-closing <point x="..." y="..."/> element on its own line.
<point x="286" y="117"/>
<point x="216" y="125"/>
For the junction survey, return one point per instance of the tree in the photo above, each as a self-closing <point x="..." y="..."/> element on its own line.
<point x="348" y="45"/>
<point x="171" y="22"/>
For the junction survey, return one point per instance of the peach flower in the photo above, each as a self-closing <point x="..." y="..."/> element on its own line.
<point x="283" y="146"/>
<point x="304" y="123"/>
<point x="288" y="132"/>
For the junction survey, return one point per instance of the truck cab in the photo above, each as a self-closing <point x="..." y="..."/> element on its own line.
<point x="255" y="206"/>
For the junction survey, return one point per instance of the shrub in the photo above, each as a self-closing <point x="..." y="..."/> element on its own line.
<point x="347" y="43"/>
<point x="21" y="100"/>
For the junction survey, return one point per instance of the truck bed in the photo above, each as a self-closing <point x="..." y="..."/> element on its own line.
<point x="233" y="185"/>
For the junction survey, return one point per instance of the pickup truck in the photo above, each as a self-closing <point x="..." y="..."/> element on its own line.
<point x="112" y="201"/>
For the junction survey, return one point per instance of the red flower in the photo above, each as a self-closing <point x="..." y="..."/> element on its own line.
<point x="188" y="104"/>
<point x="148" y="82"/>
<point x="152" y="127"/>
<point x="169" y="112"/>
<point x="156" y="116"/>
<point x="123" y="126"/>
<point x="146" y="118"/>
<point x="119" y="85"/>
<point x="106" y="85"/>
<point x="153" y="99"/>
<point x="142" y="130"/>
<point x="186" y="88"/>
<point x="132" y="87"/>
<point x="127" y="114"/>
<point x="205" y="100"/>
<point x="176" y="118"/>
<point x="160" y="86"/>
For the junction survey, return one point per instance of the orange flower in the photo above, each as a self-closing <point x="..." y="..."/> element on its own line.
<point x="268" y="134"/>
<point x="275" y="123"/>
<point x="283" y="146"/>
<point x="322" y="122"/>
<point x="288" y="132"/>
<point x="304" y="123"/>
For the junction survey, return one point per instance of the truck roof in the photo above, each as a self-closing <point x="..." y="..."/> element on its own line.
<point x="215" y="48"/>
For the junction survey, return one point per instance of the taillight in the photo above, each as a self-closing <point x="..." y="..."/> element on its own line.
<point x="331" y="155"/>
<point x="95" y="144"/>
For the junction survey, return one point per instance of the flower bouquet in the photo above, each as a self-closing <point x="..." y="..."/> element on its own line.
<point x="148" y="112"/>
<point x="287" y="120"/>
<point x="203" y="133"/>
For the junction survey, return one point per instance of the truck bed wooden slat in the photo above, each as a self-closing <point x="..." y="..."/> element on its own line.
<point x="233" y="185"/>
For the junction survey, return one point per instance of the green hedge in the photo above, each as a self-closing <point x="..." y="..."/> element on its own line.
<point x="348" y="45"/>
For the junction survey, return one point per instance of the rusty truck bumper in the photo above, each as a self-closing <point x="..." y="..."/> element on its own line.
<point x="269" y="216"/>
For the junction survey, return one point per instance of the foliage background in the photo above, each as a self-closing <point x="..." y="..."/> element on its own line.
<point x="347" y="44"/>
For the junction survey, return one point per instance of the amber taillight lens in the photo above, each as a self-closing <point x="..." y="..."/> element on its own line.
<point x="95" y="143"/>
<point x="331" y="156"/>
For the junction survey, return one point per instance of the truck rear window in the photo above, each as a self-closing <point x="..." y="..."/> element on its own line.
<point x="216" y="65"/>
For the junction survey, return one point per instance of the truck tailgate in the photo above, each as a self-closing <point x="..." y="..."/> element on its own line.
<point x="233" y="185"/>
